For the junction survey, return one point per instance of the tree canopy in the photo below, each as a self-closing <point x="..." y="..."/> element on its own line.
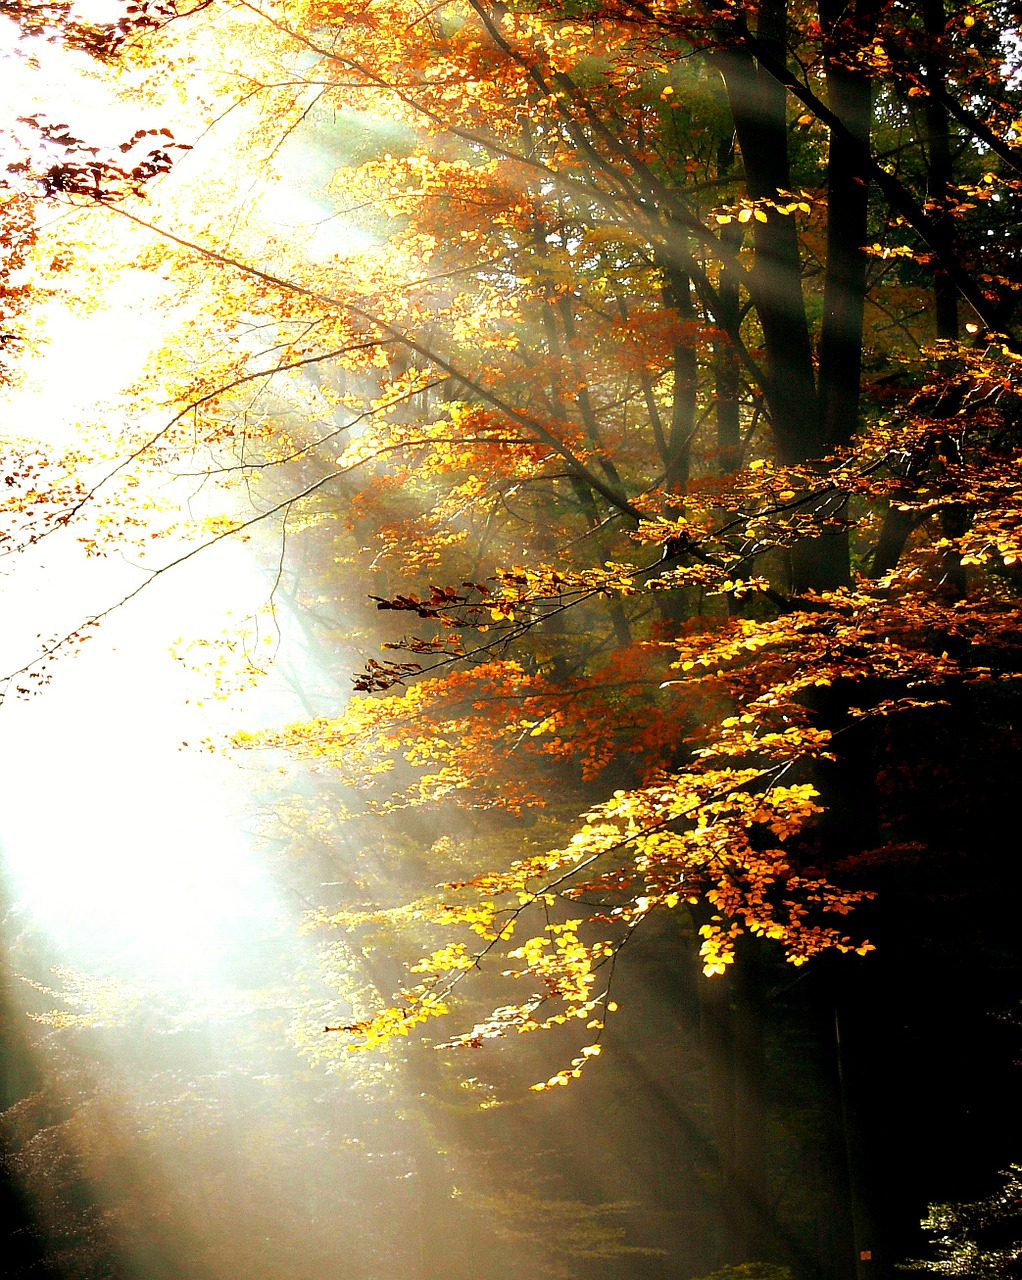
<point x="645" y="380"/>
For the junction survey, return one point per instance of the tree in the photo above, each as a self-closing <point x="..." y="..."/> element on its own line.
<point x="600" y="233"/>
<point x="976" y="1239"/>
<point x="612" y="196"/>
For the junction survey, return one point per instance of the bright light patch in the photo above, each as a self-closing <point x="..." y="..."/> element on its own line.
<point x="122" y="841"/>
<point x="100" y="12"/>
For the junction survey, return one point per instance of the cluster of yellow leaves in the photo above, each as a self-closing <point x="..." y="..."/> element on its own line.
<point x="418" y="1007"/>
<point x="92" y="1001"/>
<point x="760" y="210"/>
<point x="691" y="837"/>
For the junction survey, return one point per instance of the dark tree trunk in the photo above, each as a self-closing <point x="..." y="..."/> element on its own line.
<point x="940" y="171"/>
<point x="775" y="283"/>
<point x="940" y="179"/>
<point x="756" y="1222"/>
<point x="731" y="1031"/>
<point x="726" y="370"/>
<point x="727" y="377"/>
<point x="716" y="1034"/>
<point x="824" y="562"/>
<point x="678" y="295"/>
<point x="840" y="352"/>
<point x="894" y="533"/>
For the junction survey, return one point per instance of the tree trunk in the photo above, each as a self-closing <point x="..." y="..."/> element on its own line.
<point x="775" y="283"/>
<point x="716" y="1040"/>
<point x="824" y="562"/>
<point x="844" y="293"/>
<point x="583" y="493"/>
<point x="954" y="520"/>
<point x="678" y="294"/>
<point x="726" y="370"/>
<point x="756" y="1220"/>
<point x="731" y="1031"/>
<point x="940" y="171"/>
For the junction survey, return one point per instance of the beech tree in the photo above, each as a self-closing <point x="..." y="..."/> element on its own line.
<point x="624" y="183"/>
<point x="643" y="403"/>
<point x="573" y="362"/>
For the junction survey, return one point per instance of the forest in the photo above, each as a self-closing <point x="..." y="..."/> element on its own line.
<point x="512" y="553"/>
